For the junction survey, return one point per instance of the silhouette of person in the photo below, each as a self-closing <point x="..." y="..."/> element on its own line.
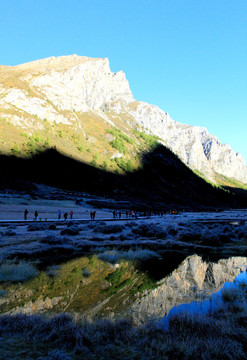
<point x="25" y="214"/>
<point x="36" y="215"/>
<point x="92" y="214"/>
<point x="59" y="214"/>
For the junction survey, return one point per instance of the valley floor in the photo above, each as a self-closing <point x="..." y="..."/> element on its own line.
<point x="101" y="249"/>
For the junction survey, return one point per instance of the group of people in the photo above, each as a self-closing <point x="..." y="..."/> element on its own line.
<point x="128" y="214"/>
<point x="131" y="214"/>
<point x="116" y="214"/>
<point x="36" y="214"/>
<point x="59" y="214"/>
<point x="65" y="215"/>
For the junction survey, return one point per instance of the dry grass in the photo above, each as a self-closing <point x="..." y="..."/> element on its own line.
<point x="221" y="335"/>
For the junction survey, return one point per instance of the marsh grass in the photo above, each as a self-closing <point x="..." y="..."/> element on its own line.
<point x="230" y="295"/>
<point x="53" y="270"/>
<point x="113" y="256"/>
<point x="220" y="335"/>
<point x="17" y="271"/>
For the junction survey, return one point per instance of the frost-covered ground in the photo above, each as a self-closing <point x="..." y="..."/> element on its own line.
<point x="210" y="234"/>
<point x="190" y="232"/>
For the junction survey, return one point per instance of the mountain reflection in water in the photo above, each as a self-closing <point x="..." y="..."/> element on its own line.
<point x="93" y="288"/>
<point x="202" y="306"/>
<point x="193" y="281"/>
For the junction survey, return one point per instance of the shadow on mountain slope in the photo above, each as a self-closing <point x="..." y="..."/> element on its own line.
<point x="164" y="180"/>
<point x="239" y="193"/>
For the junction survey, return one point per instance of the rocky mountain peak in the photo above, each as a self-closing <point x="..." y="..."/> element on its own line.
<point x="55" y="63"/>
<point x="75" y="81"/>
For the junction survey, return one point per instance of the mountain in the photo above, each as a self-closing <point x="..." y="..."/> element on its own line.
<point x="79" y="106"/>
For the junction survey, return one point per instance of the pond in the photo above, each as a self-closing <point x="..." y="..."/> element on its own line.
<point x="94" y="288"/>
<point x="205" y="306"/>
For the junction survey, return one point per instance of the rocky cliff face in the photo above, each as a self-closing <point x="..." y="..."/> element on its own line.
<point x="194" y="279"/>
<point x="59" y="90"/>
<point x="194" y="145"/>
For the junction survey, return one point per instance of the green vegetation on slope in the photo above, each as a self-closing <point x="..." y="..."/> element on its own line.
<point x="76" y="286"/>
<point x="224" y="181"/>
<point x="88" y="143"/>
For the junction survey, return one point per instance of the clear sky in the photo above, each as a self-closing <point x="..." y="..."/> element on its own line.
<point x="188" y="57"/>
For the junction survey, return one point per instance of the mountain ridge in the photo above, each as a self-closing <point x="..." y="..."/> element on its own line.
<point x="69" y="90"/>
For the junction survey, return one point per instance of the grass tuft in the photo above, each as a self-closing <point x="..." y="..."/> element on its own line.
<point x="17" y="272"/>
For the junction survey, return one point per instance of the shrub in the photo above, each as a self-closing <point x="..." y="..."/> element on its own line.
<point x="10" y="232"/>
<point x="86" y="272"/>
<point x="139" y="254"/>
<point x="52" y="227"/>
<point x="47" y="142"/>
<point x="172" y="231"/>
<point x="15" y="272"/>
<point x="61" y="134"/>
<point x="3" y="293"/>
<point x="119" y="145"/>
<point x="108" y="229"/>
<point x="53" y="270"/>
<point x="104" y="165"/>
<point x="15" y="150"/>
<point x="131" y="224"/>
<point x="37" y="226"/>
<point x="93" y="163"/>
<point x="80" y="148"/>
<point x="51" y="240"/>
<point x="114" y="256"/>
<point x="111" y="256"/>
<point x="118" y="134"/>
<point x="72" y="230"/>
<point x="149" y="231"/>
<point x="150" y="140"/>
<point x="124" y="165"/>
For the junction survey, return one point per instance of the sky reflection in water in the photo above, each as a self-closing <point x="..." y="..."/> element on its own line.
<point x="202" y="307"/>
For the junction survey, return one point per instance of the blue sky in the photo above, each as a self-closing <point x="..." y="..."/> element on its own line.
<point x="186" y="56"/>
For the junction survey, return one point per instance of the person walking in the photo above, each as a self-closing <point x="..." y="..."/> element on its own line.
<point x="71" y="214"/>
<point x="59" y="214"/>
<point x="36" y="215"/>
<point x="25" y="214"/>
<point x="65" y="216"/>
